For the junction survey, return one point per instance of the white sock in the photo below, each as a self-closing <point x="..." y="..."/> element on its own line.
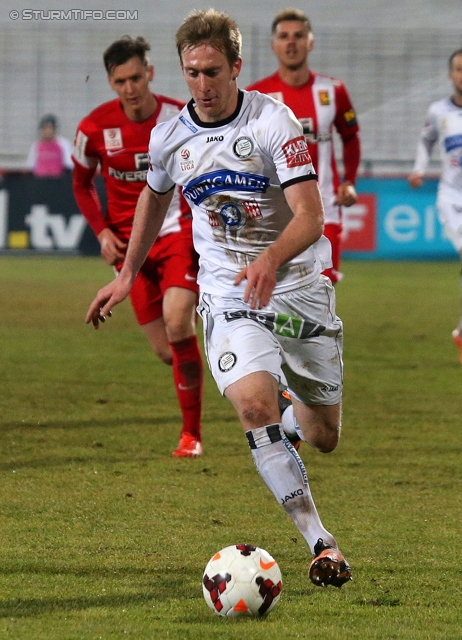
<point x="290" y="424"/>
<point x="283" y="470"/>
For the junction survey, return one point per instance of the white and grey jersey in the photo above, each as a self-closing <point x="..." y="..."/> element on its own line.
<point x="443" y="125"/>
<point x="233" y="174"/>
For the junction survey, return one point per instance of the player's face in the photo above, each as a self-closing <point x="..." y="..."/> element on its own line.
<point x="131" y="83"/>
<point x="291" y="43"/>
<point x="456" y="74"/>
<point x="211" y="81"/>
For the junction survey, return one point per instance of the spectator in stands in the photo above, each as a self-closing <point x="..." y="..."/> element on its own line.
<point x="51" y="155"/>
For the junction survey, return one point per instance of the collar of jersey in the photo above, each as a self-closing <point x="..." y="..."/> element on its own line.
<point x="219" y="123"/>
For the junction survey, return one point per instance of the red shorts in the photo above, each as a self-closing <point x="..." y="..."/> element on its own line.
<point x="171" y="262"/>
<point x="334" y="233"/>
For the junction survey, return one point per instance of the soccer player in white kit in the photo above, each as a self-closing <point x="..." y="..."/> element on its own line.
<point x="444" y="125"/>
<point x="269" y="316"/>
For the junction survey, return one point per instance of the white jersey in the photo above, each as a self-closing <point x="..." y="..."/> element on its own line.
<point x="232" y="173"/>
<point x="443" y="124"/>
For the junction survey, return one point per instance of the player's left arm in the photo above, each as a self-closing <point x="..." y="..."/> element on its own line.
<point x="303" y="230"/>
<point x="347" y="127"/>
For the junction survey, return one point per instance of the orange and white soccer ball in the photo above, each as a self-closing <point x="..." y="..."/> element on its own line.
<point x="242" y="580"/>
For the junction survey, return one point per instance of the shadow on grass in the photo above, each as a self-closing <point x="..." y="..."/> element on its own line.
<point x="23" y="608"/>
<point x="154" y="589"/>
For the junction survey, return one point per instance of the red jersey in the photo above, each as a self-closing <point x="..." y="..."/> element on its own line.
<point x="320" y="105"/>
<point x="121" y="147"/>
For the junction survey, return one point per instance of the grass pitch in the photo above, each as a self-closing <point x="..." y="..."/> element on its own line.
<point x="104" y="535"/>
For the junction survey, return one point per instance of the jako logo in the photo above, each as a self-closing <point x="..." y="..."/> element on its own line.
<point x="294" y="494"/>
<point x="215" y="139"/>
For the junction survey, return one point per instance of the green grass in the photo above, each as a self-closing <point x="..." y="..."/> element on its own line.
<point x="104" y="535"/>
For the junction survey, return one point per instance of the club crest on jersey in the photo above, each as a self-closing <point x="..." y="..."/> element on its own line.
<point x="324" y="97"/>
<point x="186" y="158"/>
<point x="296" y="152"/>
<point x="243" y="147"/>
<point x="234" y="215"/>
<point x="112" y="138"/>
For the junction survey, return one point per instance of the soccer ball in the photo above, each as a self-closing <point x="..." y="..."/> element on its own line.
<point x="242" y="580"/>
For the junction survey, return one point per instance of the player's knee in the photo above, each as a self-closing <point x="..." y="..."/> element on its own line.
<point x="178" y="329"/>
<point x="255" y="412"/>
<point x="329" y="438"/>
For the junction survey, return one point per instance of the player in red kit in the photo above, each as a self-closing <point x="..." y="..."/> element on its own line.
<point x="115" y="136"/>
<point x="320" y="103"/>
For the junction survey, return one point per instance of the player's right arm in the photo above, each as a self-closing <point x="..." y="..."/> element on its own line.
<point x="149" y="215"/>
<point x="86" y="162"/>
<point x="427" y="139"/>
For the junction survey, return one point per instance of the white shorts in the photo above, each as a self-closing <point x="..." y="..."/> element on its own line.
<point x="450" y="214"/>
<point x="297" y="338"/>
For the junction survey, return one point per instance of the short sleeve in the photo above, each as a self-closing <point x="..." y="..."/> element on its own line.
<point x="83" y="145"/>
<point x="287" y="147"/>
<point x="158" y="179"/>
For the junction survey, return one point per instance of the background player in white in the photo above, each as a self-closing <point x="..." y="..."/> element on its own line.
<point x="269" y="316"/>
<point x="444" y="125"/>
<point x="321" y="103"/>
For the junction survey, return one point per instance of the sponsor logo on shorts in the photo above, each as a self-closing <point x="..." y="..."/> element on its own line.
<point x="243" y="147"/>
<point x="330" y="388"/>
<point x="113" y="138"/>
<point x="227" y="361"/>
<point x="296" y="152"/>
<point x="279" y="323"/>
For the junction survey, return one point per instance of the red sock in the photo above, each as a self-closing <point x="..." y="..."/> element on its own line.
<point x="188" y="375"/>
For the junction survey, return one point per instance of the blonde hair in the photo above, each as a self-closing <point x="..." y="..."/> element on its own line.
<point x="213" y="28"/>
